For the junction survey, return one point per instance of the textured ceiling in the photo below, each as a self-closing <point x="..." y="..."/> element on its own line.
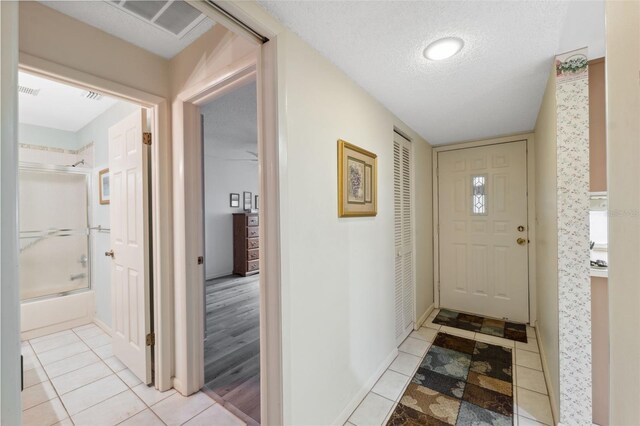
<point x="231" y="125"/>
<point x="57" y="105"/>
<point x="121" y="24"/>
<point x="494" y="86"/>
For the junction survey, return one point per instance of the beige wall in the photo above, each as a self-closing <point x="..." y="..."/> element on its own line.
<point x="337" y="286"/>
<point x="48" y="34"/>
<point x="600" y="349"/>
<point x="423" y="189"/>
<point x="597" y="127"/>
<point x="547" y="237"/>
<point x="207" y="57"/>
<point x="623" y="157"/>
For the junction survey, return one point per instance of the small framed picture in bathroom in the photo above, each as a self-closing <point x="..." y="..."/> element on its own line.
<point x="105" y="189"/>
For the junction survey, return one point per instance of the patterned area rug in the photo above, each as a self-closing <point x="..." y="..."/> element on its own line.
<point x="459" y="382"/>
<point x="490" y="326"/>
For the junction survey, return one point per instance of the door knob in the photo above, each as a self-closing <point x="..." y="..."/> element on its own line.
<point x="521" y="241"/>
<point x="110" y="253"/>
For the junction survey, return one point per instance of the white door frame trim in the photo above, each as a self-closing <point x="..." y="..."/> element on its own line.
<point x="161" y="226"/>
<point x="531" y="209"/>
<point x="272" y="164"/>
<point x="188" y="218"/>
<point x="188" y="211"/>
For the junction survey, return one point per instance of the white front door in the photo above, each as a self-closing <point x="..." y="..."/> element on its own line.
<point x="483" y="249"/>
<point x="403" y="236"/>
<point x="130" y="288"/>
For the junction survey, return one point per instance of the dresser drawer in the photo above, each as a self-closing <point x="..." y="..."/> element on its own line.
<point x="253" y="243"/>
<point x="253" y="265"/>
<point x="252" y="232"/>
<point x="253" y="254"/>
<point x="252" y="220"/>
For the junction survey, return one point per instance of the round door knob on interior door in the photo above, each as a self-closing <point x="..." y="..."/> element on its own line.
<point x="521" y="241"/>
<point x="109" y="253"/>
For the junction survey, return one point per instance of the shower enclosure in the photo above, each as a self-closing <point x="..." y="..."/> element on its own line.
<point x="54" y="231"/>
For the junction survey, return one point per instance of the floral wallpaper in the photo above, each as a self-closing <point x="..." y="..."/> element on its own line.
<point x="574" y="282"/>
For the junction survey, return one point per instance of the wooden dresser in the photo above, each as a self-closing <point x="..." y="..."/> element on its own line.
<point x="246" y="257"/>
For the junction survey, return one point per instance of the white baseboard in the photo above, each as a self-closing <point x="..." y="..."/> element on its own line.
<point x="179" y="386"/>
<point x="547" y="378"/>
<point x="214" y="276"/>
<point x="366" y="388"/>
<point x="103" y="326"/>
<point x="424" y="316"/>
<point x="592" y="424"/>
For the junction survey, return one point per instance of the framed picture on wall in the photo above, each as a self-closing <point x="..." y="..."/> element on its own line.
<point x="234" y="200"/>
<point x="357" y="181"/>
<point x="105" y="189"/>
<point x="255" y="202"/>
<point x="247" y="201"/>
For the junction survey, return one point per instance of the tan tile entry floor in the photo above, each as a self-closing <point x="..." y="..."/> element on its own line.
<point x="530" y="396"/>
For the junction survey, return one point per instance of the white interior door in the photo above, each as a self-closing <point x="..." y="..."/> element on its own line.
<point x="130" y="289"/>
<point x="403" y="236"/>
<point x="482" y="195"/>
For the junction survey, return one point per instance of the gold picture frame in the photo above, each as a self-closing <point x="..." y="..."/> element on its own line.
<point x="357" y="181"/>
<point x="105" y="187"/>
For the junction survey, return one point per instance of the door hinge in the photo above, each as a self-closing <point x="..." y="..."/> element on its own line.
<point x="146" y="138"/>
<point x="151" y="339"/>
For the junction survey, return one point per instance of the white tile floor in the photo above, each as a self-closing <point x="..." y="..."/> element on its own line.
<point x="72" y="378"/>
<point x="531" y="400"/>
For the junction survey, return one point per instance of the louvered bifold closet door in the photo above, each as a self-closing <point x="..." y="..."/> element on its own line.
<point x="403" y="237"/>
<point x="407" y="237"/>
<point x="397" y="223"/>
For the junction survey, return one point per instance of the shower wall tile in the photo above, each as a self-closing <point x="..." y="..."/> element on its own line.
<point x="56" y="156"/>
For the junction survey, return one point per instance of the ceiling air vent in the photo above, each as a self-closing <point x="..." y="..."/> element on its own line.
<point x="94" y="96"/>
<point x="28" y="90"/>
<point x="175" y="16"/>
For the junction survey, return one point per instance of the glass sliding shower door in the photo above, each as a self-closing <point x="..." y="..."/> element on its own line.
<point x="54" y="231"/>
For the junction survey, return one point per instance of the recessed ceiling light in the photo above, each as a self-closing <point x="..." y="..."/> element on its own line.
<point x="443" y="48"/>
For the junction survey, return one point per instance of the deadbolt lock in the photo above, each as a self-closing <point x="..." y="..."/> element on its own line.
<point x="521" y="228"/>
<point x="522" y="241"/>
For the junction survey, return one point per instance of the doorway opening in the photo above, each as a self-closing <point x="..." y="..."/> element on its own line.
<point x="231" y="199"/>
<point x="84" y="247"/>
